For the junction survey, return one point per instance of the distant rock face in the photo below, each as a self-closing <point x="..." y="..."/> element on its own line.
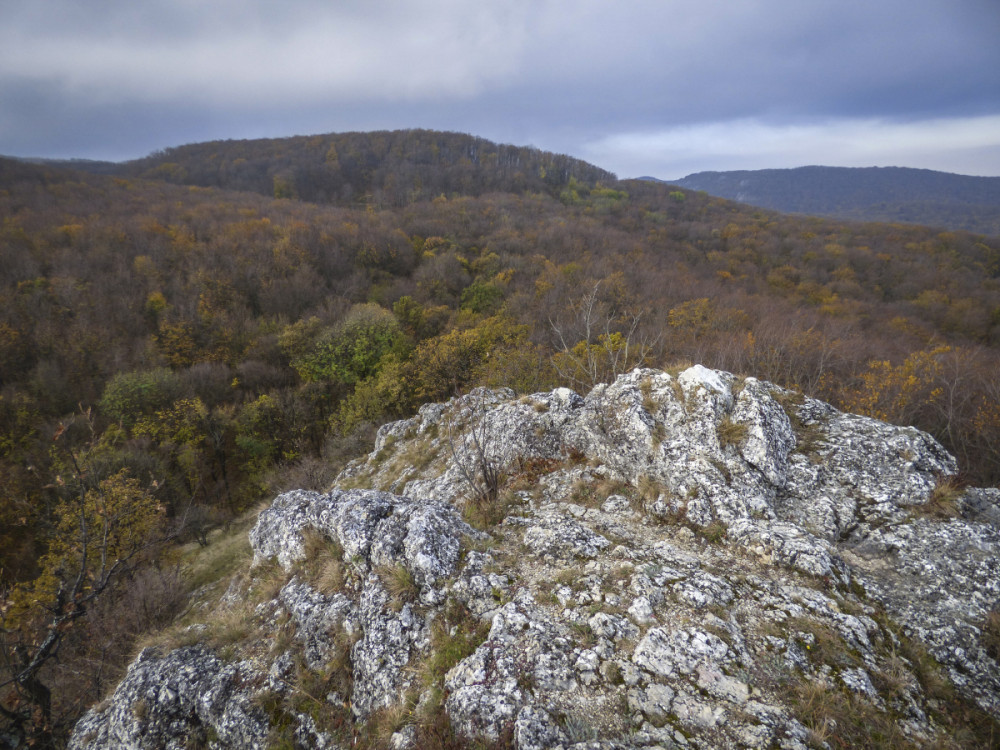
<point x="678" y="559"/>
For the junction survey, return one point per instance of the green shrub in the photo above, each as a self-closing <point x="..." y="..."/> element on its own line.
<point x="130" y="396"/>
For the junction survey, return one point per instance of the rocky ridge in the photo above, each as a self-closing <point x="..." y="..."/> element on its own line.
<point x="675" y="560"/>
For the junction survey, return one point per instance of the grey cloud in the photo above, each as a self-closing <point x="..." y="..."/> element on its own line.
<point x="558" y="74"/>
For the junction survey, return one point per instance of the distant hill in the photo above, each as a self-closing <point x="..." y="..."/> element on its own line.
<point x="383" y="168"/>
<point x="890" y="194"/>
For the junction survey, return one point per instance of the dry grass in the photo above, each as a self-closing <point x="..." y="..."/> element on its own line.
<point x="410" y="453"/>
<point x="650" y="404"/>
<point x="593" y="493"/>
<point x="455" y="634"/>
<point x="584" y="493"/>
<point x="307" y="695"/>
<point x="584" y="633"/>
<point x="678" y="391"/>
<point x="485" y="514"/>
<point x="529" y="470"/>
<point x="659" y="434"/>
<point x="400" y="585"/>
<point x="835" y="718"/>
<point x="894" y="680"/>
<point x="962" y="723"/>
<point x="227" y="552"/>
<point x="324" y="564"/>
<point x="809" y="438"/>
<point x="435" y="732"/>
<point x="720" y="466"/>
<point x="942" y="503"/>
<point x="826" y="646"/>
<point x="377" y="731"/>
<point x="730" y="433"/>
<point x="650" y="489"/>
<point x="569" y="576"/>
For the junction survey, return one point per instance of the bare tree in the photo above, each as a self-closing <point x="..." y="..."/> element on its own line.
<point x="478" y="453"/>
<point x="600" y="341"/>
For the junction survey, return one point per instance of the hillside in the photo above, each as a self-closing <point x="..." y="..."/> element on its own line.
<point x="652" y="569"/>
<point x="173" y="354"/>
<point x="890" y="194"/>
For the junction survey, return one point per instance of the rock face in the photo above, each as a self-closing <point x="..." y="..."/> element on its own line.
<point x="688" y="560"/>
<point x="186" y="697"/>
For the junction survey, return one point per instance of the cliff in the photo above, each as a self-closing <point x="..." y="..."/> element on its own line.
<point x="674" y="560"/>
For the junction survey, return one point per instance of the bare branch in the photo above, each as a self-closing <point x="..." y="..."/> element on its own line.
<point x="476" y="455"/>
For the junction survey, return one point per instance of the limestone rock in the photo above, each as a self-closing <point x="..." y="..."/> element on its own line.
<point x="679" y="554"/>
<point x="170" y="701"/>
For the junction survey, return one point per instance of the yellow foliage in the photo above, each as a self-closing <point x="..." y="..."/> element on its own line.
<point x="176" y="343"/>
<point x="180" y="424"/>
<point x="694" y="314"/>
<point x="93" y="531"/>
<point x="446" y="364"/>
<point x="896" y="393"/>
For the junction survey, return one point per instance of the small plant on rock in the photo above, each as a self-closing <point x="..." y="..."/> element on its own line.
<point x="649" y="403"/>
<point x="943" y="500"/>
<point x="455" y="635"/>
<point x="730" y="432"/>
<point x="399" y="583"/>
<point x="324" y="562"/>
<point x="578" y="729"/>
<point x="714" y="533"/>
<point x="479" y="457"/>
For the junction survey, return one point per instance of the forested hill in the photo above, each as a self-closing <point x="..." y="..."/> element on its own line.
<point x="892" y="194"/>
<point x="188" y="351"/>
<point x="385" y="168"/>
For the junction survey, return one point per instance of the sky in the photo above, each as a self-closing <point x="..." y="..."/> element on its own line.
<point x="658" y="88"/>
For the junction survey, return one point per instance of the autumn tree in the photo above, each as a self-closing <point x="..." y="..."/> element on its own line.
<point x="99" y="533"/>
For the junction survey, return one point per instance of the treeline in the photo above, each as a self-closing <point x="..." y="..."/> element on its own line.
<point x="189" y="351"/>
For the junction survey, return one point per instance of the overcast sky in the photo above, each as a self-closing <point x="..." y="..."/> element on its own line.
<point x="657" y="87"/>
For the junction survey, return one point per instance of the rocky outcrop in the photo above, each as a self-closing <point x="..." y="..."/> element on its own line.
<point x="176" y="701"/>
<point x="677" y="560"/>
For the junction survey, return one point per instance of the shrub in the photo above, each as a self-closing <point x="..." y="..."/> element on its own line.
<point x="353" y="350"/>
<point x="129" y="396"/>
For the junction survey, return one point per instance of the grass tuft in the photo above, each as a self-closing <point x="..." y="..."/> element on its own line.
<point x="731" y="433"/>
<point x="399" y="583"/>
<point x="942" y="503"/>
<point x="714" y="533"/>
<point x="485" y="513"/>
<point x="324" y="563"/>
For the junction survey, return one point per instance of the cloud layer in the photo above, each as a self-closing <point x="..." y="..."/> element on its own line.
<point x="646" y="87"/>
